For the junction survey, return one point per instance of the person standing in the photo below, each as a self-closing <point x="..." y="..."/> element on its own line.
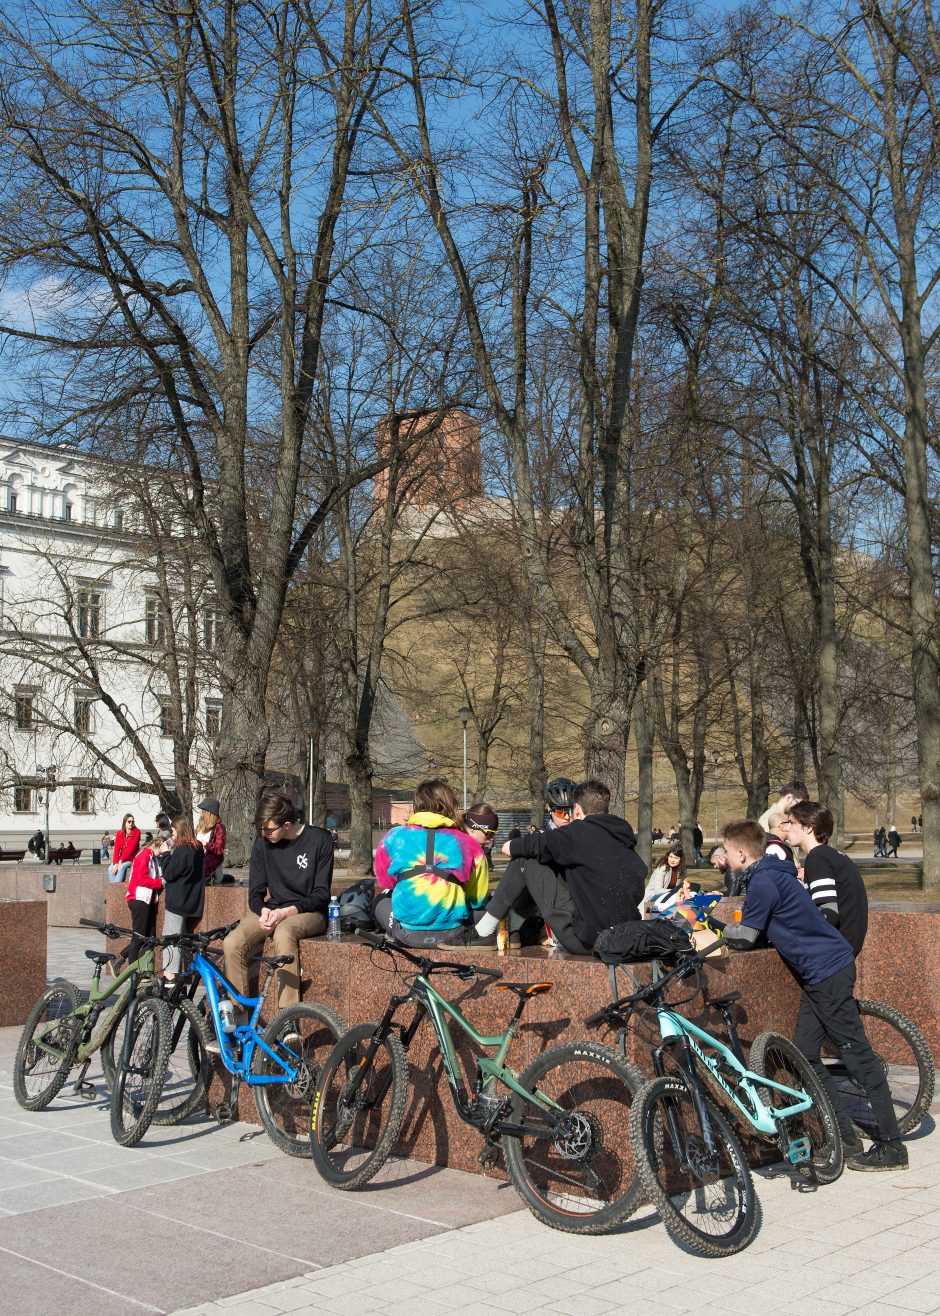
<point x="894" y="841"/>
<point x="126" y="847"/>
<point x="143" y="890"/>
<point x="821" y="958"/>
<point x="913" y="822"/>
<point x="185" y="889"/>
<point x="831" y="878"/>
<point x="289" y="877"/>
<point x="210" y="833"/>
<point x="698" y="840"/>
<point x="789" y="794"/>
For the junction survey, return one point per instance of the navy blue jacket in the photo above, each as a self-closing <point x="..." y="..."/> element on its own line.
<point x="780" y="906"/>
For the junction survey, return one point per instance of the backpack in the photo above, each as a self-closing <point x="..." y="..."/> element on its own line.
<point x="355" y="907"/>
<point x="640" y="941"/>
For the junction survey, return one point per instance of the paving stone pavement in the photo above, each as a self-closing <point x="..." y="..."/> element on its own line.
<point x="205" y="1219"/>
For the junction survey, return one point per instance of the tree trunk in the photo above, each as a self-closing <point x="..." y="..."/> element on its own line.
<point x="242" y="749"/>
<point x="643" y="731"/>
<point x="535" y="687"/>
<point x="359" y="777"/>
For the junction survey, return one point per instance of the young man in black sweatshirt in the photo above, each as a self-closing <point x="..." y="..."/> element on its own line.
<point x="596" y="876"/>
<point x="289" y="877"/>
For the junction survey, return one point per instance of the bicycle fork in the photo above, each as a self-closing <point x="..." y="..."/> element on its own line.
<point x="680" y="1140"/>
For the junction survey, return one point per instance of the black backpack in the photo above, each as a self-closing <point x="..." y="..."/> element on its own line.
<point x="355" y="907"/>
<point x="641" y="941"/>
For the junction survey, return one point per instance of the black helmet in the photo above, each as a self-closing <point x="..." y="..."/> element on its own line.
<point x="559" y="793"/>
<point x="355" y="907"/>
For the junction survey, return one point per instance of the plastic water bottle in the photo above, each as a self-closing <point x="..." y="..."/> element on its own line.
<point x="333" y="929"/>
<point x="227" y="1016"/>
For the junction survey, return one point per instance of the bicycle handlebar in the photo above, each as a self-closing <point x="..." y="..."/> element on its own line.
<point x="381" y="941"/>
<point x="689" y="963"/>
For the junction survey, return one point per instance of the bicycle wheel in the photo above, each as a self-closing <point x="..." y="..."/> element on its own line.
<point x="582" y="1179"/>
<point x="111" y="1024"/>
<point x="47" y="1046"/>
<point x="138" y="1084"/>
<point x="189" y="1065"/>
<point x="353" y="1133"/>
<point x="905" y="1057"/>
<point x="304" y="1035"/>
<point x="776" y="1057"/>
<point x="706" y="1198"/>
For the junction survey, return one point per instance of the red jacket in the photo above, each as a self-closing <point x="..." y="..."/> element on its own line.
<point x="145" y="873"/>
<point x="125" y="846"/>
<point x="214" y="849"/>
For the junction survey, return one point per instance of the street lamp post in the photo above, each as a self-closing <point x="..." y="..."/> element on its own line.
<point x="465" y="715"/>
<point x="49" y="773"/>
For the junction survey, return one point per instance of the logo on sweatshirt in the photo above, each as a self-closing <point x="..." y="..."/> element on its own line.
<point x="301" y="861"/>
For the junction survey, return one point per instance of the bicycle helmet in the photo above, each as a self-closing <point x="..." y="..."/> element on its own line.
<point x="559" y="793"/>
<point x="355" y="907"/>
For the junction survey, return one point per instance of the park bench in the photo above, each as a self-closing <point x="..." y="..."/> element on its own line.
<point x="59" y="853"/>
<point x="14" y="856"/>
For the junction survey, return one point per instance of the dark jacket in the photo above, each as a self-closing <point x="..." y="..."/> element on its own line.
<point x="183" y="881"/>
<point x="780" y="906"/>
<point x="598" y="859"/>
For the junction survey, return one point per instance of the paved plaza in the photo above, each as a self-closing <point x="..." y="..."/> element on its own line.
<point x="203" y="1219"/>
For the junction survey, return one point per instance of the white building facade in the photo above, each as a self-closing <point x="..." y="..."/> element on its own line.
<point x="107" y="633"/>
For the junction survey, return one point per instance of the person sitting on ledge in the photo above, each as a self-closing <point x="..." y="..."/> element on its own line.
<point x="822" y="959"/>
<point x="599" y="879"/>
<point x="289" y="876"/>
<point x="430" y="873"/>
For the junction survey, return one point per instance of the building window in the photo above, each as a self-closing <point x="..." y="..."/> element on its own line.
<point x="211" y="629"/>
<point x="25" y="710"/>
<point x="213" y="719"/>
<point x="84" y="715"/>
<point x="118" y="518"/>
<point x="24" y="799"/>
<point x="68" y="511"/>
<point x="82" y="799"/>
<point x="90" y="608"/>
<point x="165" y="720"/>
<point x="12" y="500"/>
<point x="154" y="626"/>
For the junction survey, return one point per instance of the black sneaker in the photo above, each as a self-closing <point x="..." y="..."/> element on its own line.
<point x="474" y="939"/>
<point x="880" y="1156"/>
<point x="852" y="1146"/>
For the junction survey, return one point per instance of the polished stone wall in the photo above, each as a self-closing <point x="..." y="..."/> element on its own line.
<point x="22" y="958"/>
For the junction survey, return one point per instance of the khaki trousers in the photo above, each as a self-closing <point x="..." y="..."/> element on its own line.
<point x="249" y="936"/>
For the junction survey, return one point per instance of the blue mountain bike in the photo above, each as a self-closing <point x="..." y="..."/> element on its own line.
<point x="280" y="1062"/>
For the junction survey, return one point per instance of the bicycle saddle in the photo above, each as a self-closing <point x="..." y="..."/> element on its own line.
<point x="719" y="1002"/>
<point x="99" y="956"/>
<point x="274" y="960"/>
<point x="525" y="988"/>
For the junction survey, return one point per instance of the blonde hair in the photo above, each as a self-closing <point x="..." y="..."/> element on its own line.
<point x="206" y="821"/>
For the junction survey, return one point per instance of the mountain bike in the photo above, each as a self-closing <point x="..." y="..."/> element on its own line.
<point x="903" y="1053"/>
<point x="63" y="1031"/>
<point x="562" y="1124"/>
<point x="281" y="1063"/>
<point x="688" y="1158"/>
<point x="189" y="1065"/>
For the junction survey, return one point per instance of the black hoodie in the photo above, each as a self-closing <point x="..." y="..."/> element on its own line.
<point x="598" y="859"/>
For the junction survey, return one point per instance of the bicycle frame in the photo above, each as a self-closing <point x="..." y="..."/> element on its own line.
<point x="680" y="1033"/>
<point x="489" y="1069"/>
<point x="247" y="1034"/>
<point x="90" y="1010"/>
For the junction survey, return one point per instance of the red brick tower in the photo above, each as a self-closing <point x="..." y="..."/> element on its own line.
<point x="440" y="463"/>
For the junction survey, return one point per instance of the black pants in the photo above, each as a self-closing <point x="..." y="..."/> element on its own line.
<point x="525" y="883"/>
<point x="828" y="1009"/>
<point x="144" y="923"/>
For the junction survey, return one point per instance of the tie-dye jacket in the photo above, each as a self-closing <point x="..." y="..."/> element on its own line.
<point x="427" y="900"/>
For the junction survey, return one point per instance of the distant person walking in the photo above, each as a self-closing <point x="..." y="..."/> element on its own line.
<point x="126" y="847"/>
<point x="894" y="841"/>
<point x="210" y="833"/>
<point x="881" y="843"/>
<point x="913" y="822"/>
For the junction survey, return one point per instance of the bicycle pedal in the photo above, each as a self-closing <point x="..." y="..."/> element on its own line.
<point x="489" y="1154"/>
<point x="224" y="1113"/>
<point x="87" y="1091"/>
<point x="800" y="1150"/>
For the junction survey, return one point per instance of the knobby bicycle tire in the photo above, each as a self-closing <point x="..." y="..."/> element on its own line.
<point x="138" y="1085"/>
<point x="903" y="1052"/>
<point x="705" y="1201"/>
<point x="189" y="1064"/>
<point x="584" y="1179"/>
<point x="351" y="1139"/>
<point x="284" y="1108"/>
<point x="39" y="1076"/>
<point x="776" y="1057"/>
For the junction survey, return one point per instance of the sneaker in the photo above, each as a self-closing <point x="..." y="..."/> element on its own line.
<point x="880" y="1156"/>
<point x="852" y="1146"/>
<point x="474" y="939"/>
